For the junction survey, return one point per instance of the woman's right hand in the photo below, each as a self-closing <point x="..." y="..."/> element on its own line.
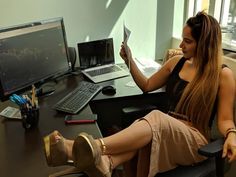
<point x="229" y="148"/>
<point x="125" y="53"/>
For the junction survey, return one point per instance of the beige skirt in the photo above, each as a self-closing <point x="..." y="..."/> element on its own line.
<point x="173" y="143"/>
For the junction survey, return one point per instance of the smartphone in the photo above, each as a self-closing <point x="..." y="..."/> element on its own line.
<point x="80" y="119"/>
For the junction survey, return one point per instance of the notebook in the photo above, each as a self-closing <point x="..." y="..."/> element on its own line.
<point x="97" y="60"/>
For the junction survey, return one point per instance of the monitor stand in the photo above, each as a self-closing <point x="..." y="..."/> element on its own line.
<point x="45" y="91"/>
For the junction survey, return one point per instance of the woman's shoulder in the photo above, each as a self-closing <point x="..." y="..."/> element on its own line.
<point x="171" y="63"/>
<point x="227" y="79"/>
<point x="175" y="58"/>
<point x="226" y="73"/>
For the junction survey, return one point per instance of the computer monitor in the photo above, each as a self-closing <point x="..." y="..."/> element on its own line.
<point x="32" y="53"/>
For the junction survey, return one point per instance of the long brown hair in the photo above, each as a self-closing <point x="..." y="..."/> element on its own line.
<point x="199" y="96"/>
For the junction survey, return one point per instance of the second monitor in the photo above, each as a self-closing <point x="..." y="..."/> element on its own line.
<point x="97" y="60"/>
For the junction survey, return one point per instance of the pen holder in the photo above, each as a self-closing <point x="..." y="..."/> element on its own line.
<point x="30" y="117"/>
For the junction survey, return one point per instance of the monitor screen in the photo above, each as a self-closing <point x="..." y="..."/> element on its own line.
<point x="96" y="53"/>
<point x="32" y="53"/>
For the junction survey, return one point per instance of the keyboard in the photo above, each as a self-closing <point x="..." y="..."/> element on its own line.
<point x="105" y="70"/>
<point x="77" y="99"/>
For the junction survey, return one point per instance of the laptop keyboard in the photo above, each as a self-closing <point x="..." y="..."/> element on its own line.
<point x="105" y="70"/>
<point x="77" y="99"/>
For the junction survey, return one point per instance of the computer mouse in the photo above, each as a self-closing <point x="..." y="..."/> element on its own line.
<point x="109" y="90"/>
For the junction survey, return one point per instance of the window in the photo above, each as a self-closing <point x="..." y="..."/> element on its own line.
<point x="228" y="22"/>
<point x="223" y="10"/>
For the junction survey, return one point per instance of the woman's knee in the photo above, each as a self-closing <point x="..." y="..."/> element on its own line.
<point x="156" y="118"/>
<point x="155" y="113"/>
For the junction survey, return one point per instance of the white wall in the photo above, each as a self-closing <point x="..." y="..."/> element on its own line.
<point x="164" y="26"/>
<point x="91" y="20"/>
<point x="140" y="17"/>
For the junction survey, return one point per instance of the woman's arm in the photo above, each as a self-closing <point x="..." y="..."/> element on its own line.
<point x="225" y="112"/>
<point x="157" y="80"/>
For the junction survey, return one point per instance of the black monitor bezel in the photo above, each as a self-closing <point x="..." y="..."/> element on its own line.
<point x="3" y="95"/>
<point x="92" y="43"/>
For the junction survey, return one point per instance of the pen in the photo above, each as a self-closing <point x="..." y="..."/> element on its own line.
<point x="28" y="99"/>
<point x="33" y="96"/>
<point x="18" y="99"/>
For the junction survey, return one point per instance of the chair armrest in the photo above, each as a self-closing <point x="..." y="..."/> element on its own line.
<point x="140" y="110"/>
<point x="212" y="149"/>
<point x="157" y="101"/>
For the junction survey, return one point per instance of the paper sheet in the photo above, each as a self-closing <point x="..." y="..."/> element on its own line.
<point x="147" y="66"/>
<point x="131" y="84"/>
<point x="10" y="112"/>
<point x="125" y="40"/>
<point x="126" y="37"/>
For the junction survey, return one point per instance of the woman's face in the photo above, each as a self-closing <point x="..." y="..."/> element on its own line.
<point x="188" y="44"/>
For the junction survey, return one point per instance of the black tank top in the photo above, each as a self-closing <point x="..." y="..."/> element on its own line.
<point x="175" y="87"/>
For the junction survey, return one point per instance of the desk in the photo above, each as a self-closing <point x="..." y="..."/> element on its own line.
<point x="21" y="152"/>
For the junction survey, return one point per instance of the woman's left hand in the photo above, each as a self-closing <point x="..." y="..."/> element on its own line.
<point x="229" y="148"/>
<point x="125" y="53"/>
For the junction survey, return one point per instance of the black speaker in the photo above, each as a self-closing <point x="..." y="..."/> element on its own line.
<point x="72" y="57"/>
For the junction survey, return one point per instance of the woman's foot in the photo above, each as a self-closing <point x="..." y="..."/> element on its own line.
<point x="57" y="150"/>
<point x="88" y="157"/>
<point x="105" y="166"/>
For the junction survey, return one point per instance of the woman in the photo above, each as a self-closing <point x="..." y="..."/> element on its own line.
<point x="163" y="141"/>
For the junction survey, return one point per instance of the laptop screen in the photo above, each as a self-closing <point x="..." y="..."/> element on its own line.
<point x="96" y="53"/>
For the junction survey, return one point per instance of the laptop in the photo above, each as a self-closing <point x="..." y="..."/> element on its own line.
<point x="97" y="60"/>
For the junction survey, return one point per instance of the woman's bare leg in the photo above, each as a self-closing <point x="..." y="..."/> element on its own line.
<point x="130" y="139"/>
<point x="119" y="159"/>
<point x="123" y="145"/>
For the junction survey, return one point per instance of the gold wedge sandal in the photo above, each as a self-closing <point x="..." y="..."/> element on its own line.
<point x="55" y="151"/>
<point x="56" y="154"/>
<point x="88" y="158"/>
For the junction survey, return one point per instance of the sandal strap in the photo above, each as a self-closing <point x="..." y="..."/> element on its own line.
<point x="111" y="163"/>
<point x="104" y="148"/>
